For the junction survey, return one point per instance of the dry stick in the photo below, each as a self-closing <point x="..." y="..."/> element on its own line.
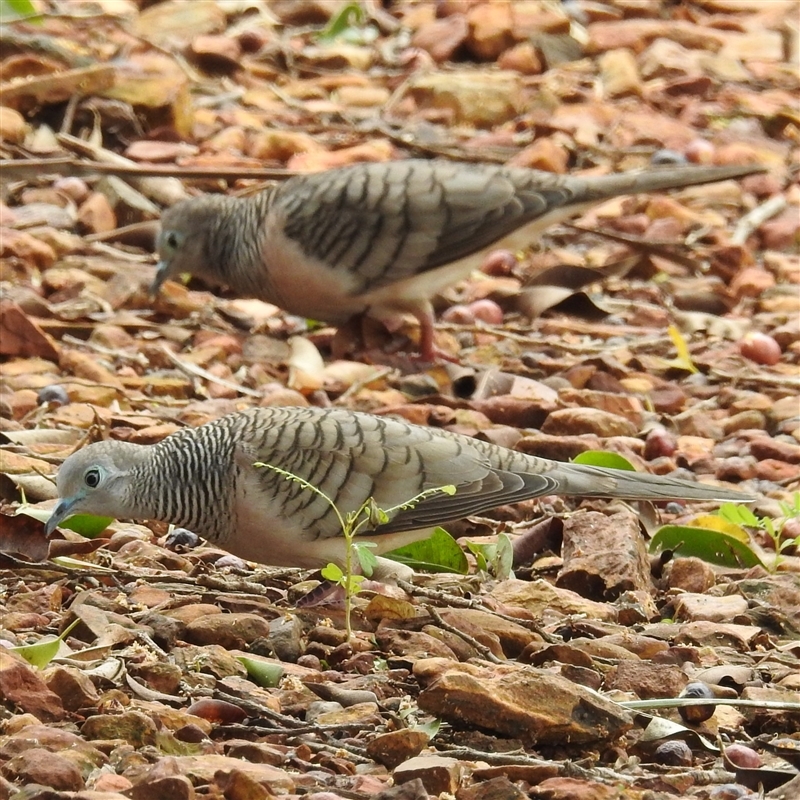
<point x="296" y="727"/>
<point x="470" y="640"/>
<point x="138" y="358"/>
<point x="514" y="758"/>
<point x="789" y="381"/>
<point x="664" y="247"/>
<point x="505" y="332"/>
<point x="453" y="601"/>
<point x="81" y="81"/>
<point x="358" y="385"/>
<point x="199" y="372"/>
<point x="100" y="247"/>
<point x="761" y="213"/>
<point x="37" y="166"/>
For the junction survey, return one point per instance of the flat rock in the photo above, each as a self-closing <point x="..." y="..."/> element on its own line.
<point x="707" y="607"/>
<point x="604" y="556"/>
<point x="576" y="421"/>
<point x="395" y="747"/>
<point x="521" y="702"/>
<point x="38" y="765"/>
<point x="134" y="727"/>
<point x="231" y="631"/>
<point x="438" y="774"/>
<point x="513" y="638"/>
<point x="22" y="685"/>
<point x="539" y="596"/>
<point x="646" y="680"/>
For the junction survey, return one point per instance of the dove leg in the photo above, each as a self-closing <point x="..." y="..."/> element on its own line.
<point x="427" y="349"/>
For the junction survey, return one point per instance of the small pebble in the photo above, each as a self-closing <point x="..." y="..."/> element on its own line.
<point x="760" y="348"/>
<point x="486" y="311"/>
<point x="665" y="156"/>
<point x="75" y="188"/>
<point x="697" y="714"/>
<point x="309" y="662"/>
<point x="675" y="753"/>
<point x="700" y="151"/>
<point x="459" y="314"/>
<point x="181" y="537"/>
<point x="192" y="734"/>
<point x="659" y="442"/>
<point x="499" y="263"/>
<point x="741" y="755"/>
<point x="729" y="791"/>
<point x="231" y="562"/>
<point x="53" y="394"/>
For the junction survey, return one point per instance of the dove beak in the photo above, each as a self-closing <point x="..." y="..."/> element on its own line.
<point x="61" y="512"/>
<point x="162" y="273"/>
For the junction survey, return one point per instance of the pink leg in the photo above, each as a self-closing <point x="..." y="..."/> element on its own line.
<point x="428" y="351"/>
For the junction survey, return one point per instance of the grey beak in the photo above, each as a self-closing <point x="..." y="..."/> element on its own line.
<point x="161" y="276"/>
<point x="61" y="512"/>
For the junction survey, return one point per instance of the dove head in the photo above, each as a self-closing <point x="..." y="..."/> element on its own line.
<point x="96" y="480"/>
<point x="183" y="240"/>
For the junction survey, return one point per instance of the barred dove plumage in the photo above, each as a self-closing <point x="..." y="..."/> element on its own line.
<point x="204" y="479"/>
<point x="382" y="238"/>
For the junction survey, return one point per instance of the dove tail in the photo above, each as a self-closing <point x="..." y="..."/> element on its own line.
<point x="586" y="481"/>
<point x="659" y="179"/>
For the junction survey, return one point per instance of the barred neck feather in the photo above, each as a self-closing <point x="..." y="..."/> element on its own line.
<point x="234" y="243"/>
<point x="190" y="480"/>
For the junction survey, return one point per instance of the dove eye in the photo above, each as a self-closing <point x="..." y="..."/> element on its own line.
<point x="92" y="477"/>
<point x="172" y="240"/>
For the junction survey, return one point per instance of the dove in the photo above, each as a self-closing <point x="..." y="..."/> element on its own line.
<point x="207" y="479"/>
<point x="383" y="238"/>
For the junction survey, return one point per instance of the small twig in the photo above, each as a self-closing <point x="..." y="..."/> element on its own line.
<point x="785" y="381"/>
<point x="358" y="385"/>
<point x="139" y="358"/>
<point x="199" y="372"/>
<point x="445" y="598"/>
<point x="760" y="214"/>
<point x="451" y="600"/>
<point x="100" y="247"/>
<point x="484" y="651"/>
<point x="295" y="727"/>
<point x="357" y="754"/>
<point x="683" y="702"/>
<point x="513" y="758"/>
<point x="22" y="167"/>
<point x="69" y="113"/>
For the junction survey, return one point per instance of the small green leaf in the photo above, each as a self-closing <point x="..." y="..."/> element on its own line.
<point x="340" y="24"/>
<point x="42" y="653"/>
<point x="87" y="525"/>
<point x="713" y="546"/>
<point x="600" y="458"/>
<point x="431" y="727"/>
<point x="739" y="515"/>
<point x="353" y="583"/>
<point x="263" y="673"/>
<point x="366" y="558"/>
<point x="504" y="558"/>
<point x="15" y="9"/>
<point x="332" y="573"/>
<point x="484" y="553"/>
<point x="438" y="553"/>
<point x="76" y="563"/>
